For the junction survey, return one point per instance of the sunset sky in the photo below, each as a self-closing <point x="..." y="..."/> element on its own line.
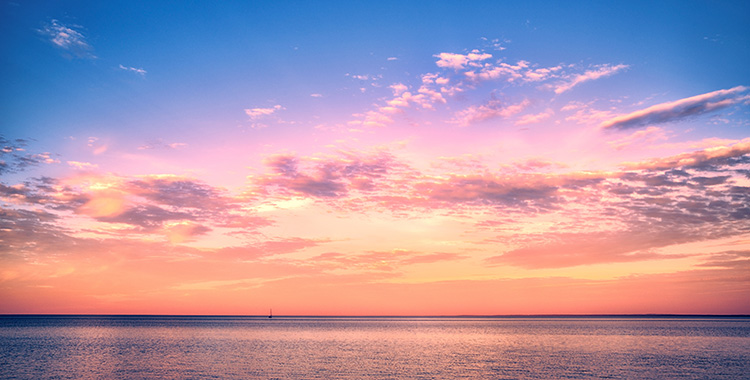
<point x="375" y="157"/>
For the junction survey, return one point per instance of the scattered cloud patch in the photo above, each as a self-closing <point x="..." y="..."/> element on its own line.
<point x="69" y="38"/>
<point x="461" y="73"/>
<point x="15" y="159"/>
<point x="460" y="61"/>
<point x="494" y="43"/>
<point x="500" y="71"/>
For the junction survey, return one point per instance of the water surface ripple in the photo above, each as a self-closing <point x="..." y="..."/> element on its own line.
<point x="164" y="347"/>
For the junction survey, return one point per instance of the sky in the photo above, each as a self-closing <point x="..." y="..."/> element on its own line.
<point x="375" y="158"/>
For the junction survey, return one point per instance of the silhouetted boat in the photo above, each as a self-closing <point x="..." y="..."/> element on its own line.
<point x="270" y="313"/>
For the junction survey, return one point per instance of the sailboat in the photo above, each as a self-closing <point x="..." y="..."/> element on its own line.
<point x="270" y="313"/>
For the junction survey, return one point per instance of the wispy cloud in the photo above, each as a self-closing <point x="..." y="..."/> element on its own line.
<point x="68" y="38"/>
<point x="82" y="165"/>
<point x="160" y="144"/>
<point x="374" y="119"/>
<point x="585" y="113"/>
<point x="98" y="147"/>
<point x="600" y="72"/>
<point x="382" y="260"/>
<point x="490" y="110"/>
<point x="364" y="77"/>
<point x="572" y="249"/>
<point x="535" y="118"/>
<point x="680" y="109"/>
<point x="138" y="71"/>
<point x="648" y="135"/>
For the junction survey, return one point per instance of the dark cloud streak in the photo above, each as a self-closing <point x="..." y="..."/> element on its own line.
<point x="679" y="110"/>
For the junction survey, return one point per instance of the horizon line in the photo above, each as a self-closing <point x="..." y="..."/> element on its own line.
<point x="598" y="315"/>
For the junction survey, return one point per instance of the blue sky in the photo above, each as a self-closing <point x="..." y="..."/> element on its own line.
<point x="209" y="59"/>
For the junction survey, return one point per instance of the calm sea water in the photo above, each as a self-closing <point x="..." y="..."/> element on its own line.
<point x="136" y="347"/>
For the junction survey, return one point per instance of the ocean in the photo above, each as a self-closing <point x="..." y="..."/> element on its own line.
<point x="205" y="347"/>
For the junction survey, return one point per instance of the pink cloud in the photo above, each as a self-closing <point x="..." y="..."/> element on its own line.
<point x="375" y="119"/>
<point x="97" y="146"/>
<point x="459" y="61"/>
<point x="82" y="165"/>
<point x="256" y="113"/>
<point x="184" y="231"/>
<point x="535" y="164"/>
<point x="398" y="88"/>
<point x="434" y="79"/>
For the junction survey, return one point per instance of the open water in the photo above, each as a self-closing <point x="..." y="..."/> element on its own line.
<point x="178" y="347"/>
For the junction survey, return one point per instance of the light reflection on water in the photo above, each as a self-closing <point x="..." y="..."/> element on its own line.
<point x="87" y="347"/>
